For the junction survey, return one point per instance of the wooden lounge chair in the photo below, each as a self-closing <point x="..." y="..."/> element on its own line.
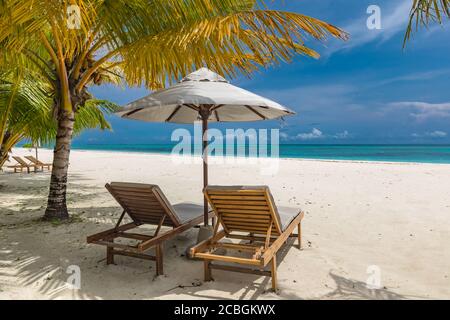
<point x="39" y="163"/>
<point x="145" y="204"/>
<point x="22" y="164"/>
<point x="247" y="213"/>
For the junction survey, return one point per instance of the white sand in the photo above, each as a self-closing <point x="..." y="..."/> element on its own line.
<point x="394" y="216"/>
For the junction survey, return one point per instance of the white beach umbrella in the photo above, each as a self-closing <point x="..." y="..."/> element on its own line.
<point x="203" y="95"/>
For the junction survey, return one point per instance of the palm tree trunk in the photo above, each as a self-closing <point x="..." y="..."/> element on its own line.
<point x="56" y="206"/>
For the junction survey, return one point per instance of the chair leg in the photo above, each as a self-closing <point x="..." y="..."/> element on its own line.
<point x="274" y="273"/>
<point x="207" y="266"/>
<point x="159" y="260"/>
<point x="109" y="255"/>
<point x="299" y="235"/>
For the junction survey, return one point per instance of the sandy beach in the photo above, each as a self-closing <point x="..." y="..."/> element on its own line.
<point x="360" y="217"/>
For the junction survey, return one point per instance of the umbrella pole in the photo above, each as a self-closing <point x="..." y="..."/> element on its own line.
<point x="205" y="166"/>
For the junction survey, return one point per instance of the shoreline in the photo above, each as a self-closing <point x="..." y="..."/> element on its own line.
<point x="253" y="158"/>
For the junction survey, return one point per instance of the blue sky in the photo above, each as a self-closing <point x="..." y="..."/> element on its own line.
<point x="366" y="90"/>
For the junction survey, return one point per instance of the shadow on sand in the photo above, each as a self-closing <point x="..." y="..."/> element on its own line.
<point x="40" y="259"/>
<point x="24" y="196"/>
<point x="37" y="255"/>
<point x="349" y="289"/>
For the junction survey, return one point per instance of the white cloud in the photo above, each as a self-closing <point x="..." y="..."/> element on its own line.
<point x="424" y="110"/>
<point x="417" y="76"/>
<point x="394" y="19"/>
<point x="432" y="134"/>
<point x="437" y="134"/>
<point x="314" y="134"/>
<point x="342" y="135"/>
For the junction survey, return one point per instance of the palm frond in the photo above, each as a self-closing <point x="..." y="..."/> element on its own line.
<point x="225" y="43"/>
<point x="92" y="115"/>
<point x="32" y="116"/>
<point x="424" y="12"/>
<point x="157" y="40"/>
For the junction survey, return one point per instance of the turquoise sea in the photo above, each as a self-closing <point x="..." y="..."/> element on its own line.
<point x="387" y="153"/>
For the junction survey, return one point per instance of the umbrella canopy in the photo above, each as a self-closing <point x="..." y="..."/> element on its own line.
<point x="181" y="103"/>
<point x="203" y="95"/>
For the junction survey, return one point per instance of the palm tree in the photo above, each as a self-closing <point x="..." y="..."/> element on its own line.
<point x="26" y="113"/>
<point x="425" y="11"/>
<point x="145" y="42"/>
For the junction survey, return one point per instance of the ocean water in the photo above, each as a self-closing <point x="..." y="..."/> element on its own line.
<point x="385" y="153"/>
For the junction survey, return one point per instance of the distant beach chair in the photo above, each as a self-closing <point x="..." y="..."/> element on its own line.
<point x="39" y="163"/>
<point x="247" y="213"/>
<point x="145" y="204"/>
<point x="22" y="164"/>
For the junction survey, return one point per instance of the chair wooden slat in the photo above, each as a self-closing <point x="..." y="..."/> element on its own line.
<point x="237" y="197"/>
<point x="144" y="204"/>
<point x="39" y="163"/>
<point x="251" y="211"/>
<point x="22" y="164"/>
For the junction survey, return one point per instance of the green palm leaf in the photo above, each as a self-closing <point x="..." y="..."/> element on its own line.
<point x="31" y="116"/>
<point x="424" y="12"/>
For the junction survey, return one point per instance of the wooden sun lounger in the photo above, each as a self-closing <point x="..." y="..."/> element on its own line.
<point x="22" y="164"/>
<point x="145" y="204"/>
<point x="39" y="163"/>
<point x="247" y="213"/>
